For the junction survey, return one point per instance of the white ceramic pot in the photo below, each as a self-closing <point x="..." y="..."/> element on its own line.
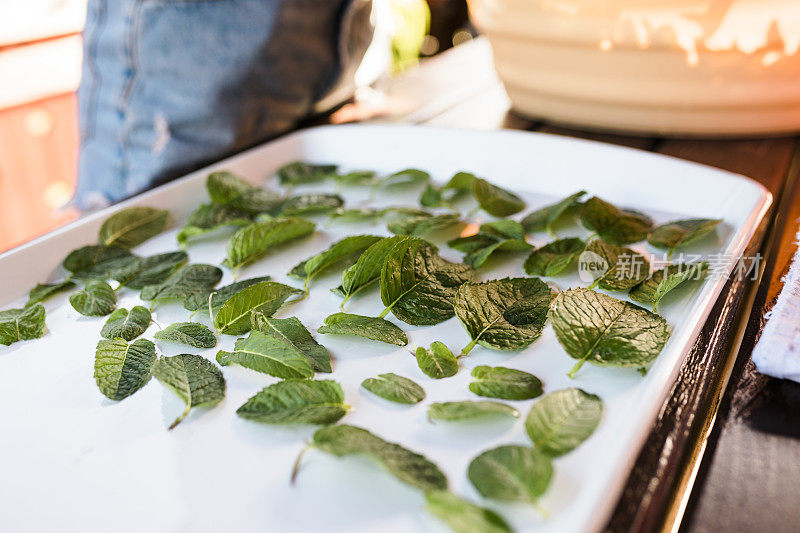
<point x="680" y="67"/>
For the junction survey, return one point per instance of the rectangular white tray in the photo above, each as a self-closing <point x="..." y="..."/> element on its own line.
<point x="72" y="460"/>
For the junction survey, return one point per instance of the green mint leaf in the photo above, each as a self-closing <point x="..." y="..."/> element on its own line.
<point x="405" y="465"/>
<point x="43" y="291"/>
<point x="21" y="324"/>
<point x="463" y="516"/>
<point x="614" y="225"/>
<point x="198" y="381"/>
<point x="355" y="214"/>
<point x="128" y="325"/>
<point x="300" y="172"/>
<point x="95" y="261"/>
<point x="605" y="331"/>
<point x="395" y="388"/>
<point x="367" y="269"/>
<point x="544" y="218"/>
<point x="418" y="286"/>
<point x="682" y="232"/>
<point x="651" y="291"/>
<point x="496" y="201"/>
<point x="152" y="270"/>
<point x="309" y="204"/>
<point x="437" y="361"/>
<point x="268" y="354"/>
<point x="626" y="268"/>
<point x="511" y="473"/>
<point x="553" y="258"/>
<point x="504" y="314"/>
<point x="505" y="383"/>
<point x="501" y="235"/>
<point x="189" y="280"/>
<point x="432" y="197"/>
<point x="562" y="420"/>
<point x="346" y="249"/>
<point x="253" y="241"/>
<point x="120" y="369"/>
<point x="132" y="226"/>
<point x="421" y="224"/>
<point x="225" y="188"/>
<point x="406" y="177"/>
<point x="211" y="217"/>
<point x="468" y="410"/>
<point x="234" y="317"/>
<point x="189" y="333"/>
<point x="377" y="329"/>
<point x="97" y="298"/>
<point x="358" y="177"/>
<point x="199" y="301"/>
<point x="294" y="333"/>
<point x="458" y="186"/>
<point x="296" y="401"/>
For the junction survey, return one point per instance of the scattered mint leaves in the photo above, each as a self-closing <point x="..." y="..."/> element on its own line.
<point x="562" y="420"/>
<point x="505" y="383"/>
<point x="296" y="401"/>
<point x="367" y="269"/>
<point x="377" y="329"/>
<point x="198" y="381"/>
<point x="127" y="325"/>
<point x="457" y="187"/>
<point x="120" y="369"/>
<point x="498" y="236"/>
<point x="97" y="298"/>
<point x="395" y="388"/>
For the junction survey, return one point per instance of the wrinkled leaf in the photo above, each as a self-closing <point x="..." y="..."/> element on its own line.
<point x="253" y="241"/>
<point x="198" y="381"/>
<point x="189" y="333"/>
<point x="468" y="410"/>
<point x="95" y="261"/>
<point x="97" y="298"/>
<point x="545" y="217"/>
<point x="211" y="217"/>
<point x="368" y="327"/>
<point x="463" y="516"/>
<point x="501" y="235"/>
<point x="43" y="291"/>
<point x="562" y="420"/>
<point x="614" y="225"/>
<point x="421" y="224"/>
<point x="198" y="301"/>
<point x="395" y="388"/>
<point x="21" y="324"/>
<point x="605" y="331"/>
<point x="264" y="297"/>
<point x="132" y="226"/>
<point x="504" y="383"/>
<point x="553" y="258"/>
<point x="189" y="280"/>
<point x="651" y="291"/>
<point x="511" y="473"/>
<point x="625" y="267"/>
<point x="126" y="324"/>
<point x="294" y="333"/>
<point x="309" y="204"/>
<point x="437" y="361"/>
<point x="224" y="188"/>
<point x="339" y="252"/>
<point x="503" y="314"/>
<point x="296" y="401"/>
<point x="458" y="186"/>
<point x="299" y="172"/>
<point x="152" y="270"/>
<point x="367" y="269"/>
<point x="268" y="354"/>
<point x="120" y="369"/>
<point x="495" y="200"/>
<point x="682" y="232"/>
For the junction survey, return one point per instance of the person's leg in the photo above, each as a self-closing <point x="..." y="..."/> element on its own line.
<point x="170" y="85"/>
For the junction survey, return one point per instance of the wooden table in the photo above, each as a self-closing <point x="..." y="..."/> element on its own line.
<point x="724" y="454"/>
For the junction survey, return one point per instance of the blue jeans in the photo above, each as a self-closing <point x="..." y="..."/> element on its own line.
<point x="171" y="85"/>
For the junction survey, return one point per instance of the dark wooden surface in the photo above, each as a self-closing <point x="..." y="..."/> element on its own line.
<point x="724" y="454"/>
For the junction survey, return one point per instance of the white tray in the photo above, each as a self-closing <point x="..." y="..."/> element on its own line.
<point x="72" y="460"/>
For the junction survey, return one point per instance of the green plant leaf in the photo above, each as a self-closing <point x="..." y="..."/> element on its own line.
<point x="97" y="298"/>
<point x="458" y="186"/>
<point x="120" y="369"/>
<point x="211" y="217"/>
<point x="234" y="317"/>
<point x="501" y="235"/>
<point x="505" y="383"/>
<point x="468" y="410"/>
<point x="681" y="232"/>
<point x="437" y="361"/>
<point x="294" y="333"/>
<point x="21" y="324"/>
<point x="339" y="252"/>
<point x="189" y="333"/>
<point x="421" y="224"/>
<point x="181" y="285"/>
<point x="562" y="420"/>
<point x="605" y="331"/>
<point x="626" y="268"/>
<point x="511" y="473"/>
<point x="614" y="225"/>
<point x="463" y="516"/>
<point x="355" y="214"/>
<point x="405" y="177"/>
<point x="43" y="291"/>
<point x="198" y="381"/>
<point x="495" y="200"/>
<point x="126" y="325"/>
<point x="152" y="270"/>
<point x="358" y="177"/>
<point x="545" y="217"/>
<point x="309" y="204"/>
<point x="96" y="261"/>
<point x="651" y="291"/>
<point x="503" y="314"/>
<point x="253" y="241"/>
<point x="367" y="269"/>
<point x="405" y="465"/>
<point x="296" y="401"/>
<point x="395" y="388"/>
<point x="553" y="258"/>
<point x="132" y="226"/>
<point x="418" y="286"/>
<point x="377" y="329"/>
<point x="300" y="172"/>
<point x="268" y="354"/>
<point x="224" y="188"/>
<point x="199" y="302"/>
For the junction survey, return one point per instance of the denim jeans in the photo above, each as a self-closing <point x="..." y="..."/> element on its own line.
<point x="171" y="85"/>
